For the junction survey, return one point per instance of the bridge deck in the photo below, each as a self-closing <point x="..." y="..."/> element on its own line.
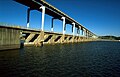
<point x="50" y="10"/>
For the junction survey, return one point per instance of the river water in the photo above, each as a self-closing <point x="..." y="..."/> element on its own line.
<point x="88" y="59"/>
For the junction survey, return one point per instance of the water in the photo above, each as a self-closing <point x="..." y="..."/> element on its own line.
<point x="89" y="59"/>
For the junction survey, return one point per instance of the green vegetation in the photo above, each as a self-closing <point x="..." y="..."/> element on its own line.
<point x="109" y="37"/>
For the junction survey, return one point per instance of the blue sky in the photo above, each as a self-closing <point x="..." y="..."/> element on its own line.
<point x="102" y="17"/>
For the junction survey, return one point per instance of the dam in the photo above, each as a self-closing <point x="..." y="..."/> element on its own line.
<point x="11" y="36"/>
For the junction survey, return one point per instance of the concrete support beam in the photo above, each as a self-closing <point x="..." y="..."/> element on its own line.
<point x="73" y="29"/>
<point x="30" y="37"/>
<point x="68" y="39"/>
<point x="78" y="31"/>
<point x="43" y="17"/>
<point x="52" y="39"/>
<point x="52" y="25"/>
<point x="63" y="18"/>
<point x="39" y="39"/>
<point x="88" y="34"/>
<point x="84" y="32"/>
<point x="28" y="18"/>
<point x="62" y="39"/>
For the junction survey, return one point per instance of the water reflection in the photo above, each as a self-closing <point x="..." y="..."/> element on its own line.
<point x="90" y="59"/>
<point x="22" y="52"/>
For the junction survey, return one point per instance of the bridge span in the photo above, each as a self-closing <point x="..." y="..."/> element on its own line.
<point x="10" y="37"/>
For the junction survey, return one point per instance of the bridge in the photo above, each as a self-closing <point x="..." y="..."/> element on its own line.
<point x="11" y="36"/>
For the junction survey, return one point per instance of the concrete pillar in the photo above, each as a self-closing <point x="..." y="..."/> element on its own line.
<point x="43" y="17"/>
<point x="90" y="34"/>
<point x="79" y="30"/>
<point x="82" y="31"/>
<point x="77" y="35"/>
<point x="63" y="36"/>
<point x="28" y="18"/>
<point x="86" y="33"/>
<point x="63" y="25"/>
<point x="52" y="24"/>
<point x="73" y="30"/>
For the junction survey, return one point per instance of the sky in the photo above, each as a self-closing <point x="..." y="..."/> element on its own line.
<point x="102" y="17"/>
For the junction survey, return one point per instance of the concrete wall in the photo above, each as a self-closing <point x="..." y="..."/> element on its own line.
<point x="9" y="38"/>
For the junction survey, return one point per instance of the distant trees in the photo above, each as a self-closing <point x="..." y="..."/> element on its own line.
<point x="109" y="37"/>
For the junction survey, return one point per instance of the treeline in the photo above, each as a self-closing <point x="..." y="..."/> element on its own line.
<point x="109" y="37"/>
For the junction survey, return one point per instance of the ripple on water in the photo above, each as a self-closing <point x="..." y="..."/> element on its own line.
<point x="90" y="59"/>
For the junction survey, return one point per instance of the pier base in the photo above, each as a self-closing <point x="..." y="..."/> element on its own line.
<point x="9" y="38"/>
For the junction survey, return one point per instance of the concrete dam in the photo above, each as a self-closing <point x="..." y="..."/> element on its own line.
<point x="13" y="37"/>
